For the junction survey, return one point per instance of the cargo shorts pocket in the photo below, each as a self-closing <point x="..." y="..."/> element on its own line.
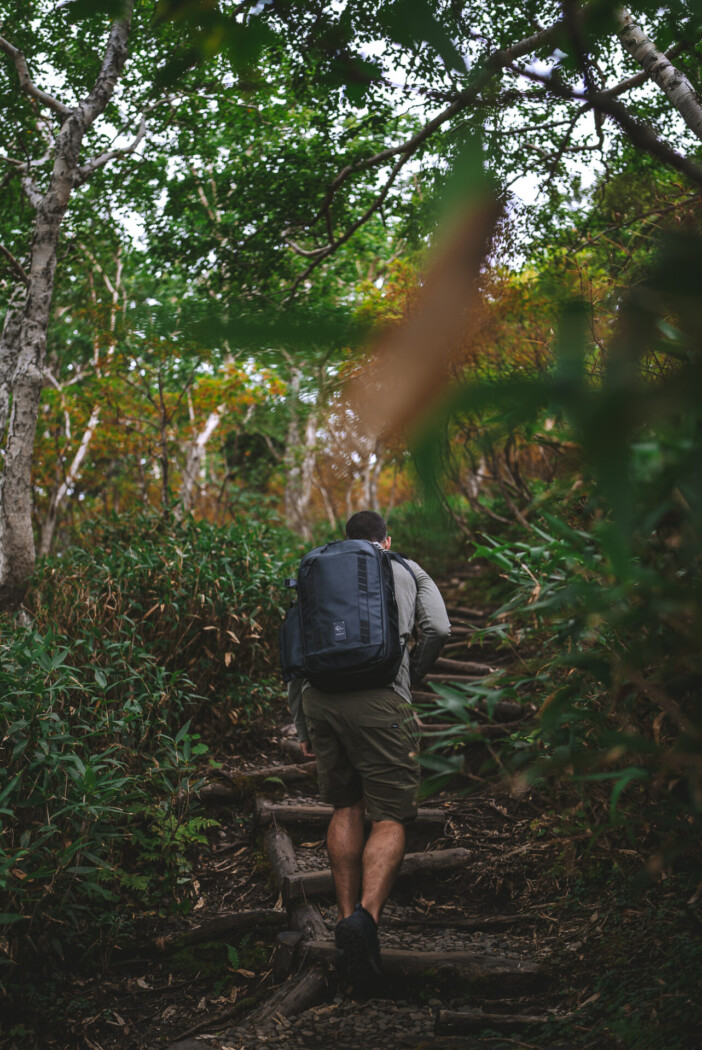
<point x="386" y="746"/>
<point x="393" y="737"/>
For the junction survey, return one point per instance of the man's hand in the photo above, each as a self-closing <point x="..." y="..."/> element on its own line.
<point x="306" y="749"/>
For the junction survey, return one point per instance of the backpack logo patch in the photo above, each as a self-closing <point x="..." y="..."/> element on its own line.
<point x="340" y="630"/>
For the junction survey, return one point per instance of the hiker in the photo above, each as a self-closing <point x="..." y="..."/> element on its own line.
<point x="365" y="743"/>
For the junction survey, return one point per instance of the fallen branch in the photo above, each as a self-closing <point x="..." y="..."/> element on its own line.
<point x="307" y="918"/>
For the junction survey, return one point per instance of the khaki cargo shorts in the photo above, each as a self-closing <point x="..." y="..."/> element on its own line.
<point x="365" y="744"/>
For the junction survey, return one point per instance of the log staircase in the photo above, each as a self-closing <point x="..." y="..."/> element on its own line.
<point x="449" y="976"/>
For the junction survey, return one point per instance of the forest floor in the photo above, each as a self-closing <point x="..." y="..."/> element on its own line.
<point x="561" y="943"/>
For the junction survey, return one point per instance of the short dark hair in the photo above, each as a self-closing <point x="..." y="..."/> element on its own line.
<point x="366" y="525"/>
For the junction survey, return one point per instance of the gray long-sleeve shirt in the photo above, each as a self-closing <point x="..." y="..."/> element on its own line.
<point x="422" y="606"/>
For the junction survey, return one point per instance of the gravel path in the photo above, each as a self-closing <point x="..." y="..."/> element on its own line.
<point x="376" y="1023"/>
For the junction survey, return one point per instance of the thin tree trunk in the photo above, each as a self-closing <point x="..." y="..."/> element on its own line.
<point x="299" y="462"/>
<point x="327" y="497"/>
<point x="17" y="553"/>
<point x="67" y="483"/>
<point x="9" y="350"/>
<point x="193" y="463"/>
<point x="72" y="475"/>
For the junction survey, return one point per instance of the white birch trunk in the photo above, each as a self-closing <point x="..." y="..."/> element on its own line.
<point x="194" y="459"/>
<point x="64" y="488"/>
<point x="662" y="71"/>
<point x="9" y="350"/>
<point x="299" y="462"/>
<point x="74" y="471"/>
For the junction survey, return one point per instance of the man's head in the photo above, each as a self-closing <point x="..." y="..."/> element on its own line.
<point x="367" y="525"/>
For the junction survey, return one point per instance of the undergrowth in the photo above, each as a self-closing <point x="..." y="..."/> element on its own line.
<point x="104" y="703"/>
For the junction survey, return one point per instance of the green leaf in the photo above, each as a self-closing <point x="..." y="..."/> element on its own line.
<point x="77" y="10"/>
<point x="412" y="22"/>
<point x="182" y="732"/>
<point x="634" y="773"/>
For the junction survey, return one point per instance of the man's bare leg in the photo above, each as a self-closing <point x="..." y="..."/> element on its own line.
<point x="345" y="837"/>
<point x="381" y="862"/>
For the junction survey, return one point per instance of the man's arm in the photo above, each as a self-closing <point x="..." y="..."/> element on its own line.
<point x="432" y="619"/>
<point x="298" y="715"/>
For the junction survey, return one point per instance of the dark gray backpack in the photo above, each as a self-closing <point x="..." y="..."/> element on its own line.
<point x="343" y="632"/>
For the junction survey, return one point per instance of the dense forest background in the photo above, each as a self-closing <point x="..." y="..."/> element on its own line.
<point x="265" y="264"/>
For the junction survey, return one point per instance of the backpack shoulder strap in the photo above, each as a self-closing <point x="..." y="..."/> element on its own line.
<point x="398" y="558"/>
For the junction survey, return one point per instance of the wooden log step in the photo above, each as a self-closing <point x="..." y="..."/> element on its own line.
<point x="297" y="994"/>
<point x="280" y="852"/>
<point x="476" y="924"/>
<point x="456" y="645"/>
<point x="307" y="918"/>
<point x="218" y="792"/>
<point x="285" y="955"/>
<point x="447" y="677"/>
<point x="304" y="885"/>
<point x="468" y="573"/>
<point x="288" y="774"/>
<point x="503" y="711"/>
<point x="471" y="965"/>
<point x="232" y="922"/>
<point x="470" y="667"/>
<point x="311" y="813"/>
<point x="465" y="612"/>
<point x="459" y="630"/>
<point x="490" y="731"/>
<point x="429" y="730"/>
<point x="292" y="750"/>
<point x="473" y="1019"/>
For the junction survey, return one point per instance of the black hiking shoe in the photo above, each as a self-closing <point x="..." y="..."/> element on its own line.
<point x="357" y="948"/>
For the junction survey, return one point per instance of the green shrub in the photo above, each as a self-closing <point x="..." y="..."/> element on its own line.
<point x="134" y="637"/>
<point x="607" y="589"/>
<point x="95" y="776"/>
<point x="199" y="598"/>
<point x="425" y="532"/>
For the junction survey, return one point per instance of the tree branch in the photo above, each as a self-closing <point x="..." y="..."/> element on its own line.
<point x="32" y="191"/>
<point x="84" y="172"/>
<point x="15" y="264"/>
<point x="495" y="62"/>
<point x="371" y="210"/>
<point x="110" y="69"/>
<point x="27" y="84"/>
<point x="641" y="135"/>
